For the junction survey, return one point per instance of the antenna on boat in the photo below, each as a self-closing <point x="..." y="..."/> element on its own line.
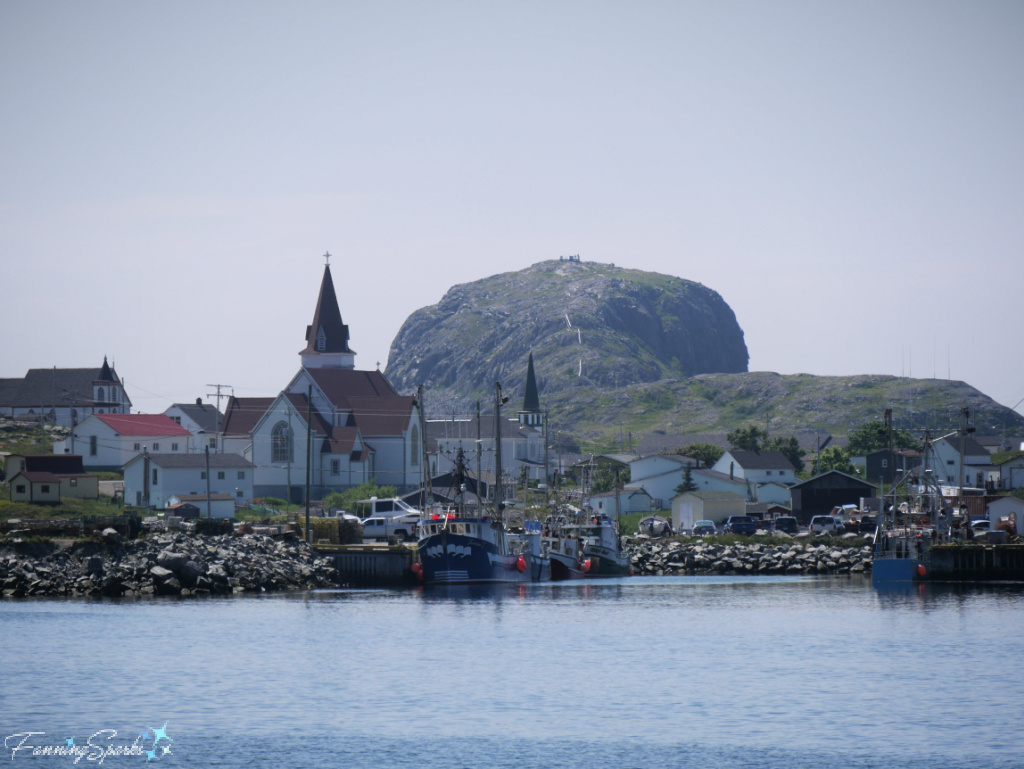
<point x="498" y="403"/>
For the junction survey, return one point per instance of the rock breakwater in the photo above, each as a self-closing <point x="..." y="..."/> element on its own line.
<point x="658" y="558"/>
<point x="164" y="564"/>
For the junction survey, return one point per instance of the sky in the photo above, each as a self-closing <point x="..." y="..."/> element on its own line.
<point x="848" y="176"/>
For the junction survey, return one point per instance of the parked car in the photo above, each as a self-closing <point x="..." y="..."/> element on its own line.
<point x="868" y="524"/>
<point x="704" y="528"/>
<point x="826" y="524"/>
<point x="787" y="523"/>
<point x="739" y="524"/>
<point x="980" y="525"/>
<point x="401" y="527"/>
<point x="655" y="526"/>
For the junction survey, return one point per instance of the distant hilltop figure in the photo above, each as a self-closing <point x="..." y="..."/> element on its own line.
<point x="570" y="258"/>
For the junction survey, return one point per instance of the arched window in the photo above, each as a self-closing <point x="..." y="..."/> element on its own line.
<point x="99" y="394"/>
<point x="281" y="443"/>
<point x="321" y="340"/>
<point x="414" y="448"/>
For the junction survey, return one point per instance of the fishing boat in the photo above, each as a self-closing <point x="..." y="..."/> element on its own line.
<point x="460" y="547"/>
<point x="561" y="535"/>
<point x="602" y="547"/>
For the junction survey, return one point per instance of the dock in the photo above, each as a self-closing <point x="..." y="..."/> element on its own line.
<point x="371" y="565"/>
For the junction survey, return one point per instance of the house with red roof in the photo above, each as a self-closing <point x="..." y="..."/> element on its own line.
<point x="359" y="428"/>
<point x="108" y="441"/>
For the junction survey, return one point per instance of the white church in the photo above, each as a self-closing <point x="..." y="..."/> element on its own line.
<point x="359" y="428"/>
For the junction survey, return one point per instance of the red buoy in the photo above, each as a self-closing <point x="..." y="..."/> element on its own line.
<point x="585" y="566"/>
<point x="521" y="564"/>
<point x="921" y="570"/>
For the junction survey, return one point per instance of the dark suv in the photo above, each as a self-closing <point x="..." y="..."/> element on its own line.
<point x="787" y="523"/>
<point x="739" y="524"/>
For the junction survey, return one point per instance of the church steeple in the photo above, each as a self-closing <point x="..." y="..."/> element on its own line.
<point x="327" y="337"/>
<point x="531" y="414"/>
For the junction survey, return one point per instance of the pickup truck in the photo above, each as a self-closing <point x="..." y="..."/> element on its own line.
<point x="400" y="527"/>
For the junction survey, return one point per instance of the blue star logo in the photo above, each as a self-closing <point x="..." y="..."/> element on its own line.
<point x="160" y="734"/>
<point x="71" y="742"/>
<point x="151" y="755"/>
<point x="144" y="736"/>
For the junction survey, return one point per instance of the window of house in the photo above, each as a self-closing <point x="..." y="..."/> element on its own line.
<point x="177" y="420"/>
<point x="174" y="447"/>
<point x="138" y="499"/>
<point x="768" y="472"/>
<point x="156" y="447"/>
<point x="213" y="443"/>
<point x="220" y="475"/>
<point x="885" y="463"/>
<point x="202" y="475"/>
<point x="281" y="443"/>
<point x="414" y="448"/>
<point x="100" y="393"/>
<point x="45" y="488"/>
<point x="138" y="446"/>
<point x="20" y="488"/>
<point x="154" y="475"/>
<point x="92" y="445"/>
<point x="74" y="482"/>
<point x="335" y="467"/>
<point x="238" y="493"/>
<point x="241" y="475"/>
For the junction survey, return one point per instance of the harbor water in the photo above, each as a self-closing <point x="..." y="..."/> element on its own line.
<point x="640" y="672"/>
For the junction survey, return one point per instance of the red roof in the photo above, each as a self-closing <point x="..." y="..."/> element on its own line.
<point x="142" y="424"/>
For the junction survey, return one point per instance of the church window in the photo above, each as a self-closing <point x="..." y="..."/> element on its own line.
<point x="414" y="448"/>
<point x="335" y="467"/>
<point x="92" y="445"/>
<point x="321" y="340"/>
<point x="281" y="443"/>
<point x="99" y="393"/>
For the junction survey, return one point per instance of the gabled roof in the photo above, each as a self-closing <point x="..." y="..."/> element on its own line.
<point x="327" y="334"/>
<point x="47" y="387"/>
<point x="833" y="472"/>
<point x="142" y="425"/>
<point x="340" y="384"/>
<point x="242" y="414"/>
<point x="761" y="460"/>
<point x="62" y="464"/>
<point x="38" y="477"/>
<point x="217" y="461"/>
<point x="971" y="446"/>
<point x="203" y="414"/>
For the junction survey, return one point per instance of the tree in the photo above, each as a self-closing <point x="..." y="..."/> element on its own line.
<point x="688" y="483"/>
<point x="604" y="479"/>
<point x="835" y="458"/>
<point x="746" y="438"/>
<point x="347" y="499"/>
<point x="871" y="436"/>
<point x="705" y="453"/>
<point x="788" y="446"/>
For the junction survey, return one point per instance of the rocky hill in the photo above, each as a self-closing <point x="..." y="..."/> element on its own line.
<point x="627" y="359"/>
<point x="587" y="324"/>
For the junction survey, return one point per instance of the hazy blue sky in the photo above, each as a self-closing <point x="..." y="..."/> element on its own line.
<point x="848" y="176"/>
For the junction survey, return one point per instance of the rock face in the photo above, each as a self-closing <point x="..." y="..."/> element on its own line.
<point x="163" y="565"/>
<point x="657" y="558"/>
<point x="588" y="323"/>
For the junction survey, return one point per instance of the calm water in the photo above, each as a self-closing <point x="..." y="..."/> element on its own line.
<point x="640" y="672"/>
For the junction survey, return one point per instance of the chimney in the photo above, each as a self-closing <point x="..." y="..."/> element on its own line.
<point x="199" y="401"/>
<point x="732" y="465"/>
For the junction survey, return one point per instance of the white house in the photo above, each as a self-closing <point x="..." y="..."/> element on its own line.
<point x="109" y="441"/>
<point x="203" y="420"/>
<point x="975" y="463"/>
<point x="661" y="474"/>
<point x="150" y="480"/>
<point x="756" y="467"/>
<point x="64" y="396"/>
<point x="358" y="427"/>
<point x="1011" y="473"/>
<point x="630" y="500"/>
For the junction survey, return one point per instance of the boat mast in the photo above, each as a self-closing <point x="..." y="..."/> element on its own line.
<point x="498" y="503"/>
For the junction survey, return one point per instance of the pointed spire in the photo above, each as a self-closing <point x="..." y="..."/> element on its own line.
<point x="327" y="334"/>
<point x="531" y="400"/>
<point x="105" y="375"/>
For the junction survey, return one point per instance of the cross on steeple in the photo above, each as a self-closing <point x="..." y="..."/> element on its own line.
<point x="327" y="257"/>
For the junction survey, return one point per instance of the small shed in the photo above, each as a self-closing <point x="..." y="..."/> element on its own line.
<point x="1007" y="507"/>
<point x="691" y="506"/>
<point x="822" y="493"/>
<point x="35" y="487"/>
<point x="220" y="505"/>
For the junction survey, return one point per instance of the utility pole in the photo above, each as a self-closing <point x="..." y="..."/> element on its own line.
<point x="309" y="452"/>
<point x="217" y="395"/>
<point x="208" y="515"/>
<point x="479" y="451"/>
